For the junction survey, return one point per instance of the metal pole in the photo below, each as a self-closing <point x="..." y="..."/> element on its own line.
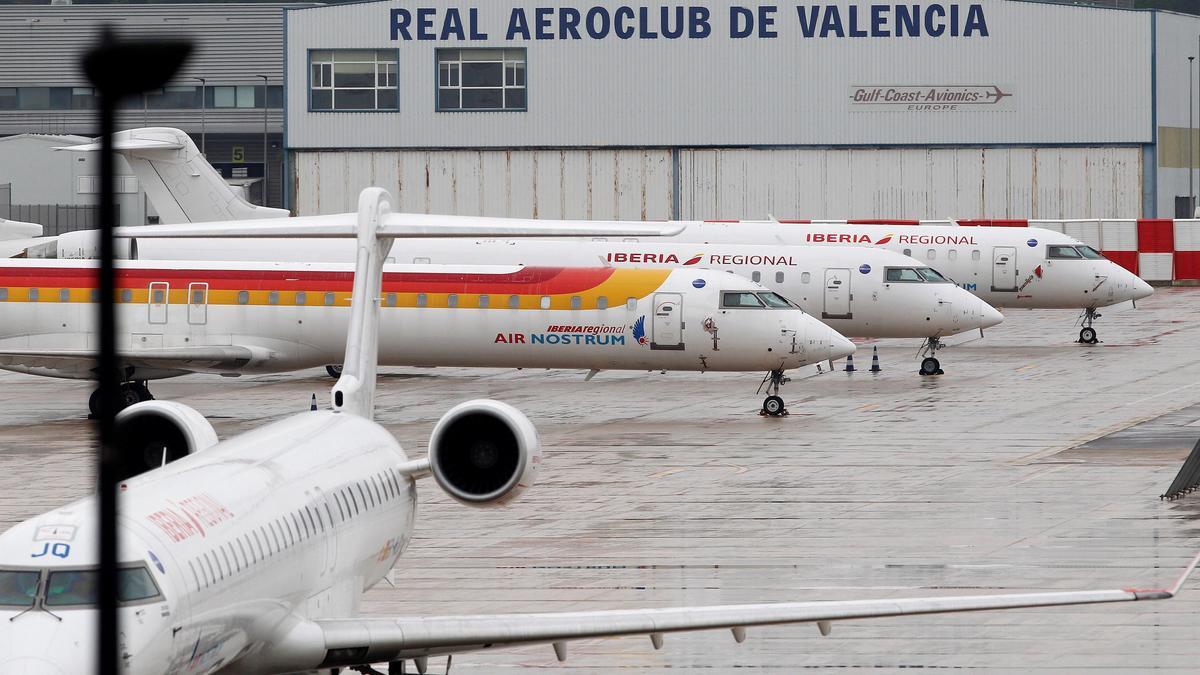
<point x="266" y="175"/>
<point x="203" y="105"/>
<point x="1191" y="188"/>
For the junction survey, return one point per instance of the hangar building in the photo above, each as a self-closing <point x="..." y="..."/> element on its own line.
<point x="716" y="109"/>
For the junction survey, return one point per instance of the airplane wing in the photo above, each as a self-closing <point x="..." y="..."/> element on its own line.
<point x="81" y="361"/>
<point x="366" y="640"/>
<point x="15" y="229"/>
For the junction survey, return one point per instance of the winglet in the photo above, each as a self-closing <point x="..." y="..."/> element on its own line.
<point x="355" y="389"/>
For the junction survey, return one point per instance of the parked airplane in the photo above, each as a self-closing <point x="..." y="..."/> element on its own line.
<point x="1026" y="267"/>
<point x="245" y="318"/>
<point x="860" y="292"/>
<point x="251" y="555"/>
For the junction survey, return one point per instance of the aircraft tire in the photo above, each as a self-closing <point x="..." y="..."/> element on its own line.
<point x="773" y="406"/>
<point x="334" y="371"/>
<point x="1088" y="336"/>
<point x="930" y="366"/>
<point x="130" y="395"/>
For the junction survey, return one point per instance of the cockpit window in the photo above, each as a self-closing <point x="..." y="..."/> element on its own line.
<point x="18" y="588"/>
<point x="740" y="300"/>
<point x="79" y="587"/>
<point x="902" y="274"/>
<point x="774" y="300"/>
<point x="1090" y="253"/>
<point x="931" y="275"/>
<point x="1063" y="253"/>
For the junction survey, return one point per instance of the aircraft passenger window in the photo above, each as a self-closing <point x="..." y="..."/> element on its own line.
<point x="756" y="277"/>
<point x="64" y="295"/>
<point x="805" y="277"/>
<point x="952" y="254"/>
<point x="330" y="298"/>
<point x="774" y="300"/>
<point x="931" y="254"/>
<point x="740" y="300"/>
<point x="422" y="300"/>
<point x="576" y="302"/>
<point x="602" y="302"/>
<point x="243" y="297"/>
<point x="33" y="295"/>
<point x="3" y="294"/>
<point x="301" y="298"/>
<point x="158" y="296"/>
<point x="1063" y="253"/>
<point x="483" y="302"/>
<point x="779" y="277"/>
<point x="1089" y="253"/>
<point x="272" y="297"/>
<point x="908" y="252"/>
<point x="631" y="303"/>
<point x="391" y="299"/>
<point x="126" y="295"/>
<point x="544" y="303"/>
<point x="932" y="275"/>
<point x="452" y="300"/>
<point x="975" y="254"/>
<point x="901" y="274"/>
<point x="514" y="302"/>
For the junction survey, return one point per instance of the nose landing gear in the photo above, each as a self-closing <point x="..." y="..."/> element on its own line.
<point x="129" y="394"/>
<point x="930" y="365"/>
<point x="773" y="405"/>
<point x="1087" y="334"/>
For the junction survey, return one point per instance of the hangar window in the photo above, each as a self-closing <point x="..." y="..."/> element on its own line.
<point x="481" y="79"/>
<point x="353" y="79"/>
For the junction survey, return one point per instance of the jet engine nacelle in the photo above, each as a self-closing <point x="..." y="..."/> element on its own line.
<point x="153" y="433"/>
<point x="484" y="452"/>
<point x="85" y="245"/>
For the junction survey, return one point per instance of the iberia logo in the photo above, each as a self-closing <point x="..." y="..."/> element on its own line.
<point x="639" y="330"/>
<point x="886" y="239"/>
<point x="694" y="259"/>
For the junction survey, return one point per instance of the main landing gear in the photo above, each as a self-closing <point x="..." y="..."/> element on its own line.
<point x="334" y="371"/>
<point x="773" y="404"/>
<point x="930" y="365"/>
<point x="1087" y="334"/>
<point x="130" y="393"/>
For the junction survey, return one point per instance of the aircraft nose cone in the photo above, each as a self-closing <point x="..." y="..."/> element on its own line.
<point x="989" y="316"/>
<point x="1141" y="289"/>
<point x="839" y="346"/>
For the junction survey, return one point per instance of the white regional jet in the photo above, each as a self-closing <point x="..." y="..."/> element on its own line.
<point x="859" y="292"/>
<point x="246" y="318"/>
<point x="251" y="555"/>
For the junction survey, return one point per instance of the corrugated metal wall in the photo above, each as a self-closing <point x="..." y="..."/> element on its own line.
<point x="733" y="183"/>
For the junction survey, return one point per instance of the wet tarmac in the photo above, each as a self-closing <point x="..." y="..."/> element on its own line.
<point x="1034" y="463"/>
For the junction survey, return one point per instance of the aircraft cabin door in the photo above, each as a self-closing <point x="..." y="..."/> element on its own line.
<point x="1004" y="268"/>
<point x="837" y="294"/>
<point x="668" y="321"/>
<point x="198" y="304"/>
<point x="158" y="300"/>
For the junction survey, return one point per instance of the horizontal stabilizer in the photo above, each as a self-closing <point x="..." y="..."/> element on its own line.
<point x="1188" y="478"/>
<point x="127" y="144"/>
<point x="401" y="226"/>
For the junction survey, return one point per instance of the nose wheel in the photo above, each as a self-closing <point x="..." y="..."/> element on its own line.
<point x="1087" y="334"/>
<point x="930" y="365"/>
<point x="773" y="405"/>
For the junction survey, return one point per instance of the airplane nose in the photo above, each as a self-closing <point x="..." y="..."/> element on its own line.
<point x="989" y="316"/>
<point x="1141" y="289"/>
<point x="839" y="346"/>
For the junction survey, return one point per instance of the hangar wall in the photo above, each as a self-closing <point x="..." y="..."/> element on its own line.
<point x="653" y="184"/>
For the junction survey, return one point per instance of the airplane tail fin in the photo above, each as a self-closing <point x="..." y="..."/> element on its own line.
<point x="376" y="228"/>
<point x="178" y="180"/>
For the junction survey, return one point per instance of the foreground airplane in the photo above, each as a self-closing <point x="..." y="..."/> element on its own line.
<point x="248" y="318"/>
<point x="860" y="292"/>
<point x="251" y="555"/>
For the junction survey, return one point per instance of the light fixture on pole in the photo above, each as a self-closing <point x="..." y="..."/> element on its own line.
<point x="265" y="174"/>
<point x="203" y="106"/>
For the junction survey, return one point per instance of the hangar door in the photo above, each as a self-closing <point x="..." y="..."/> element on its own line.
<point x="837" y="294"/>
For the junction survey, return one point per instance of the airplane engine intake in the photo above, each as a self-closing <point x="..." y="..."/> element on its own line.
<point x="484" y="452"/>
<point x="153" y="433"/>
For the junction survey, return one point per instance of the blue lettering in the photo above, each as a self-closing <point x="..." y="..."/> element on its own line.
<point x="425" y="23"/>
<point x="400" y="20"/>
<point x="908" y="21"/>
<point x="45" y="550"/>
<point x="620" y="27"/>
<point x="589" y="339"/>
<point x="879" y="21"/>
<point x="741" y="22"/>
<point x="541" y="21"/>
<point x="537" y="339"/>
<point x="932" y="28"/>
<point x="517" y="24"/>
<point x="808" y="22"/>
<point x="665" y="17"/>
<point x="968" y="287"/>
<point x="832" y="23"/>
<point x="855" y="31"/>
<point x="452" y="25"/>
<point x="568" y="22"/>
<point x="644" y="32"/>
<point x="698" y="26"/>
<point x="473" y="18"/>
<point x="594" y="31"/>
<point x="975" y="22"/>
<point x="616" y="339"/>
<point x="954" y="20"/>
<point x="766" y="19"/>
<point x="60" y="550"/>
